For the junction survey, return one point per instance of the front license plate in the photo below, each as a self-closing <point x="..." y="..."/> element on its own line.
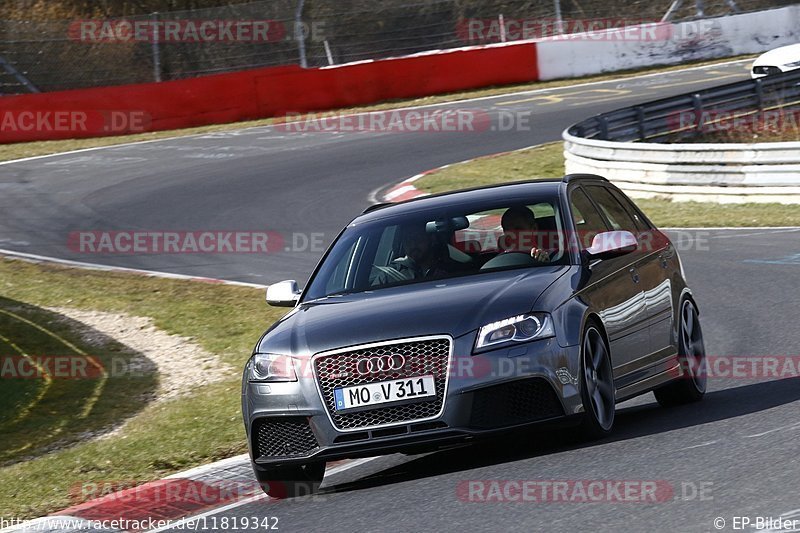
<point x="384" y="392"/>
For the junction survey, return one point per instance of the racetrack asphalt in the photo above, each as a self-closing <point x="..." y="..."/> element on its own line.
<point x="735" y="454"/>
<point x="303" y="185"/>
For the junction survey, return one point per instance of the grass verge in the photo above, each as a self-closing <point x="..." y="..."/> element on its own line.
<point x="55" y="386"/>
<point x="32" y="149"/>
<point x="547" y="161"/>
<point x="164" y="437"/>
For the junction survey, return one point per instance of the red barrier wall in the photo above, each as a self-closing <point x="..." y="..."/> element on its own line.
<point x="258" y="93"/>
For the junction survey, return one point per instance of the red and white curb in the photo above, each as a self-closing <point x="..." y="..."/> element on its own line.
<point x="406" y="190"/>
<point x="166" y="503"/>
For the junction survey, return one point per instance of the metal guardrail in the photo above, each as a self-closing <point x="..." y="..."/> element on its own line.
<point x="639" y="148"/>
<point x="680" y="117"/>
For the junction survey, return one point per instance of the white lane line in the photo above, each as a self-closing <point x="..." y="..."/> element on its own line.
<point x="783" y="428"/>
<point x="181" y="524"/>
<point x="96" y="266"/>
<point x="701" y="445"/>
<point x="790" y="519"/>
<point x="769" y="231"/>
<point x="94" y="148"/>
<point x="255" y="129"/>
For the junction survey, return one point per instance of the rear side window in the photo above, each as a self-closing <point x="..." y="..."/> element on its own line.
<point x="587" y="219"/>
<point x="617" y="216"/>
<point x="625" y="201"/>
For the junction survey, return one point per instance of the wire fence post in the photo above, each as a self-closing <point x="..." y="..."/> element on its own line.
<point x="559" y="19"/>
<point x="733" y="6"/>
<point x="502" y="21"/>
<point x="699" y="8"/>
<point x="676" y="5"/>
<point x="299" y="33"/>
<point x="24" y="81"/>
<point x="156" y="47"/>
<point x="328" y="51"/>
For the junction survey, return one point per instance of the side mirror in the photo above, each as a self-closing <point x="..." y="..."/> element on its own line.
<point x="610" y="244"/>
<point x="283" y="294"/>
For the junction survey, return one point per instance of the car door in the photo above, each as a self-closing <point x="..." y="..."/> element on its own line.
<point x="613" y="288"/>
<point x="658" y="266"/>
<point x="654" y="283"/>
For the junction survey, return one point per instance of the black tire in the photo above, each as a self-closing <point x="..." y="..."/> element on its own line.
<point x="291" y="481"/>
<point x="597" y="385"/>
<point x="691" y="385"/>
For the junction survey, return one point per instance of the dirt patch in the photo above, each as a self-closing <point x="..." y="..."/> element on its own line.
<point x="181" y="364"/>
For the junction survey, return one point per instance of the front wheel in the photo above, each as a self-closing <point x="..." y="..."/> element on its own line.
<point x="597" y="392"/>
<point x="291" y="481"/>
<point x="691" y="385"/>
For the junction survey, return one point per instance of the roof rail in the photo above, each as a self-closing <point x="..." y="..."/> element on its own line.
<point x="574" y="177"/>
<point x="375" y="207"/>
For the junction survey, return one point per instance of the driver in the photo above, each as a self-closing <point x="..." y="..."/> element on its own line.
<point x="422" y="259"/>
<point x="519" y="232"/>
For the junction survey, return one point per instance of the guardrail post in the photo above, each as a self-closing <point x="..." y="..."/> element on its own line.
<point x="697" y="103"/>
<point x="640" y="121"/>
<point x="759" y="94"/>
<point x="603" y="127"/>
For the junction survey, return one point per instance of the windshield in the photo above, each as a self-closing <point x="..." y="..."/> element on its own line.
<point x="465" y="241"/>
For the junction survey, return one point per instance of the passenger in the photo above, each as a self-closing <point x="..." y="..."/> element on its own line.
<point x="520" y="233"/>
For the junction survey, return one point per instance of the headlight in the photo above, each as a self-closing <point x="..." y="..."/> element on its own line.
<point x="272" y="367"/>
<point x="793" y="64"/>
<point x="520" y="328"/>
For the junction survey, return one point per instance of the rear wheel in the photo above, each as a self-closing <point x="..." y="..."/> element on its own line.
<point x="597" y="392"/>
<point x="291" y="481"/>
<point x="691" y="386"/>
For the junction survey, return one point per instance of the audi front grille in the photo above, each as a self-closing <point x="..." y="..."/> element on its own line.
<point x="422" y="356"/>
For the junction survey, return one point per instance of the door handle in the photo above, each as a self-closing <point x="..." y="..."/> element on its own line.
<point x="635" y="275"/>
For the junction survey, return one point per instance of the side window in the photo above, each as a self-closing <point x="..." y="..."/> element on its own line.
<point x="617" y="216"/>
<point x="628" y="205"/>
<point x="588" y="221"/>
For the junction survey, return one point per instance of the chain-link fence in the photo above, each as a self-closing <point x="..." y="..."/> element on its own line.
<point x="71" y="54"/>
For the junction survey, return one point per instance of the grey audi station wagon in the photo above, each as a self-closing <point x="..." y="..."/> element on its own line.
<point x="434" y="321"/>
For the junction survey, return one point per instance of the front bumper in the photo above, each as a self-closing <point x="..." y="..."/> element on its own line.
<point x="531" y="383"/>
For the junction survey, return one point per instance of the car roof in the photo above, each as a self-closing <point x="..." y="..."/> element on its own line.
<point x="779" y="56"/>
<point x="499" y="192"/>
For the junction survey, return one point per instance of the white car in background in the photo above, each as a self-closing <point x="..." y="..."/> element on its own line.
<point x="776" y="61"/>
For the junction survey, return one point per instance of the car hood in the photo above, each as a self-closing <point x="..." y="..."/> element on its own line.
<point x="454" y="307"/>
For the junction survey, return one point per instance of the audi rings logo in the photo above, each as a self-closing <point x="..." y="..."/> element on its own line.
<point x="383" y="363"/>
